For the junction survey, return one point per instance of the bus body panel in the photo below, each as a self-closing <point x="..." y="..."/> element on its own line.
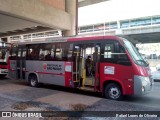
<point x="12" y="69"/>
<point x="68" y="74"/>
<point x="51" y="72"/>
<point x="142" y="77"/>
<point x="140" y="74"/>
<point x="142" y="71"/>
<point x="139" y="88"/>
<point x="119" y="73"/>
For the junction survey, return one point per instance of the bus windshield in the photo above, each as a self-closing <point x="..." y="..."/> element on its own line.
<point x="138" y="59"/>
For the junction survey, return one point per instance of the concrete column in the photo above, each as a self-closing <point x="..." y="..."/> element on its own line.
<point x="36" y="11"/>
<point x="71" y="7"/>
<point x="118" y="24"/>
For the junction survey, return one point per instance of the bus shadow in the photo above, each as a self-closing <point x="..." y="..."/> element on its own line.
<point x="71" y="90"/>
<point x="5" y="78"/>
<point x="128" y="98"/>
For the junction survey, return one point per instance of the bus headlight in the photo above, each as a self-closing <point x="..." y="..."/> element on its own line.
<point x="145" y="81"/>
<point x="143" y="89"/>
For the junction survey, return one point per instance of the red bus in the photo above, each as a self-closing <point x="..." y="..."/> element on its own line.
<point x="4" y="52"/>
<point x="116" y="67"/>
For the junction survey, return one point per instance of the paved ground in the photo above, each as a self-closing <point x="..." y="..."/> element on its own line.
<point x="19" y="96"/>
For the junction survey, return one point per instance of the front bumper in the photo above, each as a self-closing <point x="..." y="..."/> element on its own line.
<point x="4" y="71"/>
<point x="142" y="85"/>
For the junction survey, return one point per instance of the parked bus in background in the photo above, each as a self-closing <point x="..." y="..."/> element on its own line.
<point x="117" y="68"/>
<point x="4" y="52"/>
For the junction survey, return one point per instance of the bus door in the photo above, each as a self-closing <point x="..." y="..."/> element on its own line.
<point x="12" y="63"/>
<point x="96" y="64"/>
<point x="92" y="57"/>
<point x="115" y="65"/>
<point x="21" y="66"/>
<point x="86" y="65"/>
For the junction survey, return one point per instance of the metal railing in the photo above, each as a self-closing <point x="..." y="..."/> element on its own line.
<point x="121" y="24"/>
<point x="39" y="36"/>
<point x="106" y="26"/>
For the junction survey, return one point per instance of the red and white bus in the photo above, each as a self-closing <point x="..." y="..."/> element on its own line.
<point x="117" y="67"/>
<point x="4" y="52"/>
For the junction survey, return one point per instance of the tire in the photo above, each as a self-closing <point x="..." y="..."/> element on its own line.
<point x="113" y="91"/>
<point x="2" y="76"/>
<point x="33" y="81"/>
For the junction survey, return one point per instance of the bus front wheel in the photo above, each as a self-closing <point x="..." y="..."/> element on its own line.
<point x="113" y="91"/>
<point x="33" y="81"/>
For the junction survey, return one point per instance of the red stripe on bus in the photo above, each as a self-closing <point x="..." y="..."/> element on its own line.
<point x="61" y="74"/>
<point x="93" y="38"/>
<point x="85" y="38"/>
<point x="3" y="66"/>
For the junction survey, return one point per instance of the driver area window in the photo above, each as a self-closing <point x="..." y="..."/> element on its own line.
<point x="113" y="52"/>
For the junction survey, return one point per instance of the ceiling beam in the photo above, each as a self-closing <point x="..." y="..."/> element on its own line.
<point x="82" y="3"/>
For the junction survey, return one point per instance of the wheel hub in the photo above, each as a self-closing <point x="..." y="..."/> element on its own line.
<point x="33" y="82"/>
<point x="114" y="93"/>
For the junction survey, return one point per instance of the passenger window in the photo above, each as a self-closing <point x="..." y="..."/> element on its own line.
<point x="109" y="51"/>
<point x="63" y="51"/>
<point x="13" y="53"/>
<point x="113" y="52"/>
<point x="69" y="52"/>
<point x="41" y="54"/>
<point x="52" y="51"/>
<point x="45" y="52"/>
<point x="24" y="53"/>
<point x="33" y="52"/>
<point x="58" y="52"/>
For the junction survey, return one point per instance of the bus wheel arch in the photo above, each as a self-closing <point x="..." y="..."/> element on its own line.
<point x="112" y="90"/>
<point x="33" y="80"/>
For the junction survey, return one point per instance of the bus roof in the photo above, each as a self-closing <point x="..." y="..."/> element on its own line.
<point x="92" y="38"/>
<point x="69" y="39"/>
